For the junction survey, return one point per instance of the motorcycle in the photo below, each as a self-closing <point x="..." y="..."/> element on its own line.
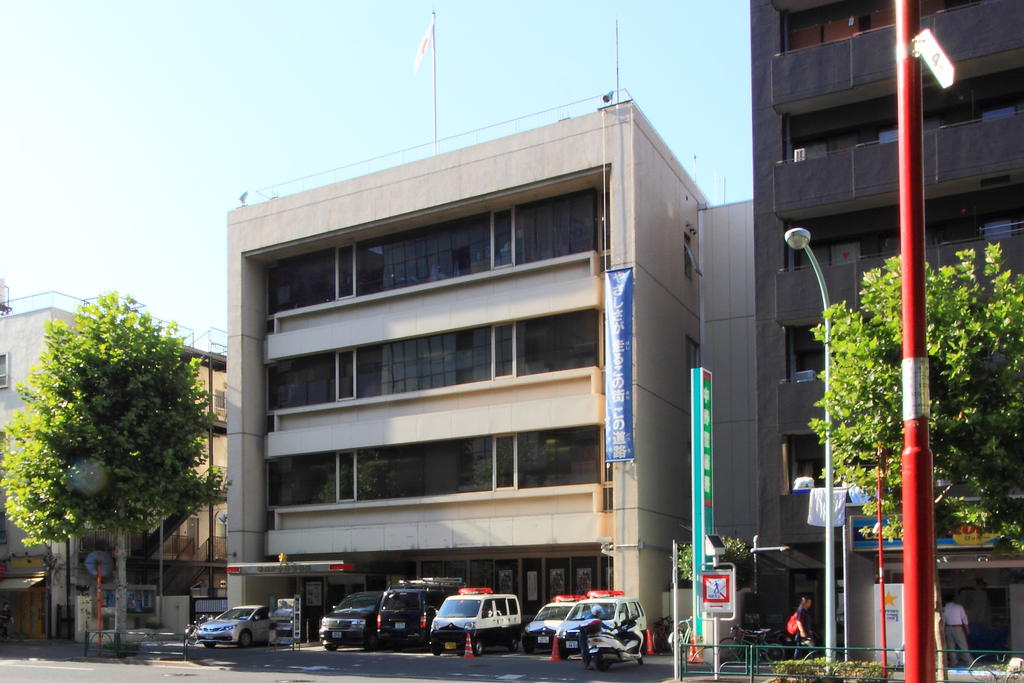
<point x="605" y="644"/>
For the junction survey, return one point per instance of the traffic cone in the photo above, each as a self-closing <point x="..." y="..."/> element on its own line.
<point x="695" y="655"/>
<point x="555" y="657"/>
<point x="468" y="652"/>
<point x="650" y="642"/>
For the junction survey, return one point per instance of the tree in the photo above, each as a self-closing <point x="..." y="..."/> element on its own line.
<point x="737" y="551"/>
<point x="113" y="433"/>
<point x="976" y="376"/>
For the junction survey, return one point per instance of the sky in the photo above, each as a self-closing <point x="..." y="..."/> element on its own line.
<point x="128" y="130"/>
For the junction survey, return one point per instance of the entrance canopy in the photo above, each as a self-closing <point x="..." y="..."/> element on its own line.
<point x="288" y="568"/>
<point x="19" y="583"/>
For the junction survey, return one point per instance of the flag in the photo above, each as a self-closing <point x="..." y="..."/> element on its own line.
<point x="425" y="44"/>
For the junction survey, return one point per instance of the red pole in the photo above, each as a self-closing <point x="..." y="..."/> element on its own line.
<point x="918" y="513"/>
<point x="881" y="567"/>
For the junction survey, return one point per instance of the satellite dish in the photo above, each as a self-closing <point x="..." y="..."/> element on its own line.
<point x="99" y="561"/>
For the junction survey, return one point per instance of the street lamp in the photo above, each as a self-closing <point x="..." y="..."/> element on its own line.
<point x="800" y="239"/>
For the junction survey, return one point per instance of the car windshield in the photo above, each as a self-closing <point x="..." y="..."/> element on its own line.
<point x="553" y="612"/>
<point x="237" y="613"/>
<point x="358" y="602"/>
<point x="399" y="601"/>
<point x="592" y="610"/>
<point x="463" y="607"/>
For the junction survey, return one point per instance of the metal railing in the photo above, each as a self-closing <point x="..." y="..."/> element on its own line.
<point x="449" y="144"/>
<point x="794" y="663"/>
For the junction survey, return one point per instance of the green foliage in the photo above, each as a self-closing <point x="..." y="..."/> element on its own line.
<point x="113" y="431"/>
<point x="737" y="551"/>
<point x="821" y="670"/>
<point x="975" y="337"/>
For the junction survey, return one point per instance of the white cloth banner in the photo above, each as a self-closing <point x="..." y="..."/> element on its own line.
<point x="817" y="507"/>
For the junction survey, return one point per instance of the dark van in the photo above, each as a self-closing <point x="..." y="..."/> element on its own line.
<point x="408" y="609"/>
<point x="352" y="622"/>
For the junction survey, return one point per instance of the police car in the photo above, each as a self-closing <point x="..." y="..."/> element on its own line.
<point x="612" y="607"/>
<point x="486" y="617"/>
<point x="539" y="634"/>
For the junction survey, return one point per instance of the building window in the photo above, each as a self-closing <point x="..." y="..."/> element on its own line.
<point x="687" y="258"/>
<point x="424" y="469"/>
<point x="805" y="354"/>
<point x="557" y="342"/>
<point x="806" y="458"/>
<point x="555" y="227"/>
<point x="301" y="281"/>
<point x="531" y="232"/>
<point x="4" y="370"/>
<point x="558" y="457"/>
<point x="302" y="480"/>
<point x="503" y="238"/>
<point x="301" y="381"/>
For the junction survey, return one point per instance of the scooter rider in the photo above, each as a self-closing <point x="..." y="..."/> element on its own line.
<point x="596" y="612"/>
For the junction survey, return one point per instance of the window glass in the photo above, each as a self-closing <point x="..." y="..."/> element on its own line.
<point x="301" y="281"/>
<point x="556" y="342"/>
<point x="346" y="478"/>
<point x="504" y="461"/>
<point x="346" y="375"/>
<point x="558" y="457"/>
<point x="301" y="381"/>
<point x="503" y="355"/>
<point x="503" y="238"/>
<point x="4" y="380"/>
<point x="301" y="480"/>
<point x="434" y="253"/>
<point x="428" y="362"/>
<point x="555" y="227"/>
<point x="424" y="469"/>
<point x="346" y="282"/>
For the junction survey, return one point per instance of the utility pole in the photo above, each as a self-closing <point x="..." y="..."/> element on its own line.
<point x="918" y="512"/>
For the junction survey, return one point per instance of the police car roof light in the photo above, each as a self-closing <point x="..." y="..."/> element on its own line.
<point x="476" y="591"/>
<point x="604" y="594"/>
<point x="568" y="598"/>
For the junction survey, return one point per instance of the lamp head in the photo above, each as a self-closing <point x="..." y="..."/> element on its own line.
<point x="798" y="238"/>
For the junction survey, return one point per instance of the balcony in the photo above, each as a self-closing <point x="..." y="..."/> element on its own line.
<point x="796" y="405"/>
<point x="867" y="173"/>
<point x="865" y="60"/>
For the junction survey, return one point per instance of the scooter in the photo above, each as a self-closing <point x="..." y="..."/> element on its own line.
<point x="606" y="645"/>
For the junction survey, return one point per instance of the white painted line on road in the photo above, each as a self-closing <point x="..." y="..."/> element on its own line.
<point x="5" y="665"/>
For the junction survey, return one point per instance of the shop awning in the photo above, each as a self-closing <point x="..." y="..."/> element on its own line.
<point x="19" y="583"/>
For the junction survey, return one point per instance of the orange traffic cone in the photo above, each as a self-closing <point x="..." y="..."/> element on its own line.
<point x="555" y="656"/>
<point x="468" y="652"/>
<point x="650" y="642"/>
<point x="694" y="655"/>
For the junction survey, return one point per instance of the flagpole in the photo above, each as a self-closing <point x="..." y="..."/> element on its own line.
<point x="433" y="41"/>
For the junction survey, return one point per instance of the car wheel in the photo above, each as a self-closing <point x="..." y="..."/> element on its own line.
<point x="435" y="649"/>
<point x="563" y="654"/>
<point x="209" y="645"/>
<point x="397" y="647"/>
<point x="513" y="645"/>
<point x="330" y="647"/>
<point x="371" y="643"/>
<point x="244" y="639"/>
<point x="528" y="647"/>
<point x="478" y="646"/>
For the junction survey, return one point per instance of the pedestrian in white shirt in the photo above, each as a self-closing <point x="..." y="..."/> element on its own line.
<point x="956" y="628"/>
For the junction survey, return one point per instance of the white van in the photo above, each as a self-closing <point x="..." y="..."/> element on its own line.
<point x="488" y="618"/>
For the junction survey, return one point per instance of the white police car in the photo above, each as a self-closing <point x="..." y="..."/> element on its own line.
<point x="539" y="634"/>
<point x="612" y="607"/>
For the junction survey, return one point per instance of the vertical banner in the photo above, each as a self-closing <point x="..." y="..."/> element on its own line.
<point x="701" y="494"/>
<point x="618" y="365"/>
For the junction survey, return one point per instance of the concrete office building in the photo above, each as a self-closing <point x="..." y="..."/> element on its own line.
<point x="825" y="158"/>
<point x="417" y="386"/>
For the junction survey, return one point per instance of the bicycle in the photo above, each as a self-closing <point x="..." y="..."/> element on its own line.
<point x="660" y="637"/>
<point x="769" y="643"/>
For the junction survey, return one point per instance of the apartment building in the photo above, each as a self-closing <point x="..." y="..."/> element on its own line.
<point x="824" y="98"/>
<point x="49" y="587"/>
<point x="418" y="384"/>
